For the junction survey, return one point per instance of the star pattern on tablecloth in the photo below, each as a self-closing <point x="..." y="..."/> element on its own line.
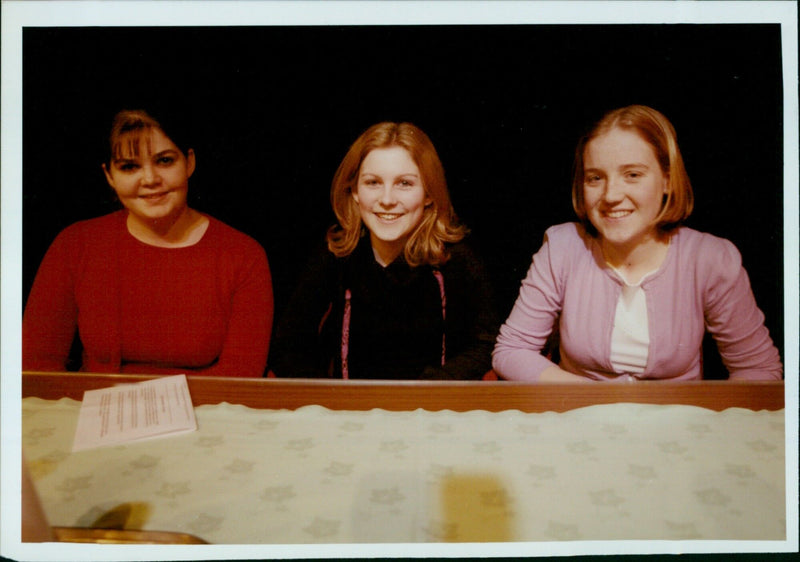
<point x="322" y="528"/>
<point x="671" y="447"/>
<point x="70" y="486"/>
<point x="712" y="496"/>
<point x="441" y="531"/>
<point x="486" y="447"/>
<point x="682" y="531"/>
<point x="541" y="472"/>
<point x="144" y="462"/>
<point x="174" y="489"/>
<point x="740" y="470"/>
<point x="396" y="446"/>
<point x="278" y="494"/>
<point x="562" y="531"/>
<point x="642" y="471"/>
<point x="608" y="497"/>
<point x="204" y="523"/>
<point x="299" y="444"/>
<point x="240" y="466"/>
<point x="336" y="468"/>
<point x="386" y="496"/>
<point x="761" y="446"/>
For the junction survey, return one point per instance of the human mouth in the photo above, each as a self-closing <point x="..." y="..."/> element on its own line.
<point x="155" y="197"/>
<point x="616" y="214"/>
<point x="388" y="217"/>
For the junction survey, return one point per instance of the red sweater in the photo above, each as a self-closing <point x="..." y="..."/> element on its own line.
<point x="204" y="309"/>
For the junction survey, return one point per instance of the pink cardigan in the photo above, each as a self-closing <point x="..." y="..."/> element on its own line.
<point x="700" y="286"/>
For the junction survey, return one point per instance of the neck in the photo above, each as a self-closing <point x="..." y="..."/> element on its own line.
<point x="184" y="229"/>
<point x="635" y="261"/>
<point x="386" y="252"/>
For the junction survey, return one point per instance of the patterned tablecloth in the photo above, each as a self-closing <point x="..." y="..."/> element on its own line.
<point x="313" y="475"/>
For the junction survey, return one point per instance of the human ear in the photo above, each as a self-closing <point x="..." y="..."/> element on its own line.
<point x="190" y="162"/>
<point x="109" y="177"/>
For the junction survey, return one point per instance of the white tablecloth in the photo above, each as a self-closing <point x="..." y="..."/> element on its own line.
<point x="313" y="475"/>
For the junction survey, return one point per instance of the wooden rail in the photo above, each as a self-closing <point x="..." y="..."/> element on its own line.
<point x="410" y="395"/>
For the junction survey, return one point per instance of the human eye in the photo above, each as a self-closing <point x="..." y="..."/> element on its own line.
<point x="592" y="178"/>
<point x="127" y="166"/>
<point x="165" y="159"/>
<point x="406" y="183"/>
<point x="369" y="181"/>
<point x="634" y="175"/>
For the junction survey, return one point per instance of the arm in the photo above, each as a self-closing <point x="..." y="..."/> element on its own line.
<point x="557" y="374"/>
<point x="51" y="313"/>
<point x="297" y="349"/>
<point x="517" y="353"/>
<point x="734" y="319"/>
<point x="473" y="328"/>
<point x="244" y="353"/>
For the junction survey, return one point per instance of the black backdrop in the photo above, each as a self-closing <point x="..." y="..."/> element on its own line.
<point x="276" y="108"/>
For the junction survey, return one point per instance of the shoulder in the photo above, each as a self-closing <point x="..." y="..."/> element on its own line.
<point x="105" y="223"/>
<point x="706" y="251"/>
<point x="461" y="252"/>
<point x="566" y="243"/>
<point x="231" y="239"/>
<point x="463" y="256"/>
<point x="322" y="263"/>
<point x="715" y="263"/>
<point x="567" y="234"/>
<point x="92" y="231"/>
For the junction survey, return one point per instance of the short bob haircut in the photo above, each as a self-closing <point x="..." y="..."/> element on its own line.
<point x="658" y="132"/>
<point x="128" y="127"/>
<point x="439" y="224"/>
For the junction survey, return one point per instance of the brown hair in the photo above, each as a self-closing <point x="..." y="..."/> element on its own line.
<point x="127" y="129"/>
<point x="439" y="224"/>
<point x="655" y="129"/>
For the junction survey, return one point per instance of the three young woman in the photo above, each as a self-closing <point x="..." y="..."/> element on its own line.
<point x="395" y="293"/>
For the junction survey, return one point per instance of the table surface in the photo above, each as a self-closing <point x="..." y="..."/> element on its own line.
<point x="287" y="461"/>
<point x="410" y="395"/>
<point x="320" y="476"/>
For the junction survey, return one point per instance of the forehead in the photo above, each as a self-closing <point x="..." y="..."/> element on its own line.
<point x="395" y="158"/>
<point x="141" y="142"/>
<point x="617" y="144"/>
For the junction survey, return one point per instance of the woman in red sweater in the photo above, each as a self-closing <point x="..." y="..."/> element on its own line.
<point x="156" y="287"/>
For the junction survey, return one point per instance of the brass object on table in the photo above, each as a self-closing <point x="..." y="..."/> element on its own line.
<point x="119" y="536"/>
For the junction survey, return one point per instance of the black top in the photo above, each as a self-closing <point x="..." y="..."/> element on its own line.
<point x="396" y="319"/>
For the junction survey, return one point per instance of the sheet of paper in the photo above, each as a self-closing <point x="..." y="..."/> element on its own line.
<point x="132" y="412"/>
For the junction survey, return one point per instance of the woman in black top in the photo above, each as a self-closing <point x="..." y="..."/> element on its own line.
<point x="395" y="294"/>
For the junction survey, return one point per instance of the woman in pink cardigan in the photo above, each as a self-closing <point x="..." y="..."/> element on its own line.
<point x="629" y="290"/>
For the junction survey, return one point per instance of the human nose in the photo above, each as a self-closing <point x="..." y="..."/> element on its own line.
<point x="613" y="192"/>
<point x="387" y="197"/>
<point x="150" y="176"/>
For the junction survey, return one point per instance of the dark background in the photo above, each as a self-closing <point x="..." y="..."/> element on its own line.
<point x="275" y="109"/>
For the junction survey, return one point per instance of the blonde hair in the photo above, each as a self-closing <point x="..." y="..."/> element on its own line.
<point x="655" y="129"/>
<point x="439" y="224"/>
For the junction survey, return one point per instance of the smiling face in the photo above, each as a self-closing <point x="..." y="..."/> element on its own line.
<point x="151" y="182"/>
<point x="391" y="199"/>
<point x="623" y="189"/>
